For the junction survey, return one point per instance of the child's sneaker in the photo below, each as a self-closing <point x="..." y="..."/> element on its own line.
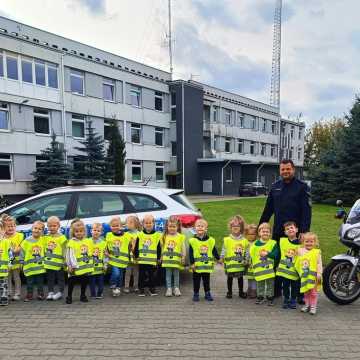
<point x="285" y="304"/>
<point x="312" y="310"/>
<point x="229" y="295"/>
<point x="292" y="304"/>
<point x="99" y="296"/>
<point x="28" y="297"/>
<point x="116" y="292"/>
<point x="141" y="293"/>
<point x="16" y="297"/>
<point x="84" y="299"/>
<point x="196" y="297"/>
<point x="153" y="292"/>
<point x="168" y="292"/>
<point x="68" y="300"/>
<point x="242" y="295"/>
<point x="50" y="296"/>
<point x="4" y="301"/>
<point x="112" y="286"/>
<point x="41" y="297"/>
<point x="126" y="290"/>
<point x="208" y="296"/>
<point x="305" y="309"/>
<point x="58" y="295"/>
<point x="177" y="291"/>
<point x="259" y="300"/>
<point x="270" y="301"/>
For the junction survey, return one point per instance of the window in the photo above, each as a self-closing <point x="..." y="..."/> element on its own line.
<point x="240" y="120"/>
<point x="158" y="101"/>
<point x="4" y="117"/>
<point x="227" y="117"/>
<point x="252" y="122"/>
<point x="299" y="153"/>
<point x="78" y="126"/>
<point x="173" y="148"/>
<point x="135" y="96"/>
<point x="241" y="146"/>
<point x="173" y="99"/>
<point x="141" y="202"/>
<point x="173" y="106"/>
<point x="215" y="113"/>
<point x="1" y="65"/>
<point x="41" y="121"/>
<point x="263" y="125"/>
<point x="273" y="127"/>
<point x="5" y="167"/>
<point x="12" y="68"/>
<point x="107" y="125"/>
<point x="136" y="171"/>
<point x="228" y="174"/>
<point x="26" y="67"/>
<point x="77" y="82"/>
<point x="108" y="90"/>
<point x="40" y="161"/>
<point x="300" y="133"/>
<point x="40" y="72"/>
<point x="159" y="171"/>
<point x="52" y="76"/>
<point x="42" y="208"/>
<point x="273" y="150"/>
<point x="159" y="136"/>
<point x="136" y="133"/>
<point x="227" y="144"/>
<point x="292" y="131"/>
<point x="263" y="149"/>
<point x="291" y="152"/>
<point x="96" y="204"/>
<point x="252" y="147"/>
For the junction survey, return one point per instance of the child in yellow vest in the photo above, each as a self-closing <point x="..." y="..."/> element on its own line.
<point x="133" y="227"/>
<point x="4" y="266"/>
<point x="202" y="255"/>
<point x="147" y="252"/>
<point x="118" y="244"/>
<point x="173" y="254"/>
<point x="54" y="258"/>
<point x="263" y="255"/>
<point x="32" y="259"/>
<point x="100" y="262"/>
<point x="234" y="255"/>
<point x="79" y="259"/>
<point x="309" y="267"/>
<point x="15" y="239"/>
<point x="286" y="270"/>
<point x="251" y="235"/>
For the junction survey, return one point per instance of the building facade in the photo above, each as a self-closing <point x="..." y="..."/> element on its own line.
<point x="179" y="134"/>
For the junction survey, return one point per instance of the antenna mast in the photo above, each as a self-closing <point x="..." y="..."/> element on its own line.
<point x="170" y="41"/>
<point x="276" y="58"/>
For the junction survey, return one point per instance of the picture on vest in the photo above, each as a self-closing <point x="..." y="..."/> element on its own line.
<point x="36" y="253"/>
<point x="116" y="248"/>
<point x="239" y="251"/>
<point x="50" y="248"/>
<point x="170" y="248"/>
<point x="263" y="258"/>
<point x="96" y="255"/>
<point x="204" y="253"/>
<point x="84" y="254"/>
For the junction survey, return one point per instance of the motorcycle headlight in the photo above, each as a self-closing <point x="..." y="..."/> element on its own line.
<point x="353" y="233"/>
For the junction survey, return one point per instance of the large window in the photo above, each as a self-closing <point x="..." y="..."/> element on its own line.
<point x="159" y="170"/>
<point x="215" y="113"/>
<point x="26" y="67"/>
<point x="77" y="82"/>
<point x="263" y="125"/>
<point x="291" y="152"/>
<point x="227" y="145"/>
<point x="299" y="153"/>
<point x="252" y="122"/>
<point x="135" y="96"/>
<point x="173" y="106"/>
<point x="173" y="148"/>
<point x="5" y="167"/>
<point x="252" y="147"/>
<point x="228" y="174"/>
<point x="159" y="136"/>
<point x="241" y="146"/>
<point x="136" y="171"/>
<point x="273" y="127"/>
<point x="52" y="75"/>
<point x="136" y="133"/>
<point x="78" y="126"/>
<point x="1" y="65"/>
<point x="40" y="72"/>
<point x="41" y="121"/>
<point x="292" y="131"/>
<point x="12" y="67"/>
<point x="108" y="90"/>
<point x="142" y="202"/>
<point x="300" y="133"/>
<point x="273" y="151"/>
<point x="241" y="120"/>
<point x="227" y="117"/>
<point x="4" y="117"/>
<point x="263" y="149"/>
<point x="159" y="96"/>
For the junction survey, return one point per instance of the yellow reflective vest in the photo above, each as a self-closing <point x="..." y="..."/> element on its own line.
<point x="83" y="254"/>
<point x="286" y="266"/>
<point x="33" y="255"/>
<point x="99" y="247"/>
<point x="172" y="251"/>
<point x="148" y="244"/>
<point x="263" y="266"/>
<point x="203" y="254"/>
<point x="118" y="249"/>
<point x="15" y="241"/>
<point x="4" y="257"/>
<point x="54" y="251"/>
<point x="306" y="266"/>
<point x="236" y="253"/>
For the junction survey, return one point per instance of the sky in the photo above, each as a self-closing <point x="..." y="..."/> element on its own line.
<point x="224" y="43"/>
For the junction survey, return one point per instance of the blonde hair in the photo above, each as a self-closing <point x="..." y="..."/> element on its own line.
<point x="148" y="216"/>
<point x="264" y="225"/>
<point x="237" y="220"/>
<point x="97" y="224"/>
<point x="311" y="235"/>
<point x="7" y="218"/>
<point x="136" y="221"/>
<point x="38" y="222"/>
<point x="115" y="218"/>
<point x="171" y="220"/>
<point x="75" y="224"/>
<point x="198" y="221"/>
<point x="53" y="219"/>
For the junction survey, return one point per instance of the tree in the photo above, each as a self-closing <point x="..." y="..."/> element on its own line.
<point x="90" y="165"/>
<point x="116" y="154"/>
<point x="53" y="172"/>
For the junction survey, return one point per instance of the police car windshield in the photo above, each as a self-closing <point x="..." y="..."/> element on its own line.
<point x="354" y="215"/>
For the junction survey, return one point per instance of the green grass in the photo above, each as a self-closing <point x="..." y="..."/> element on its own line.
<point x="217" y="213"/>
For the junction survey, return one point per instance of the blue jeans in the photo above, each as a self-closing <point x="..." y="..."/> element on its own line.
<point x="170" y="273"/>
<point x="96" y="281"/>
<point x="117" y="276"/>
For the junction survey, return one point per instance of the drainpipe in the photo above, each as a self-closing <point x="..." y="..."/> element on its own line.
<point x="222" y="177"/>
<point x="258" y="171"/>
<point x="63" y="110"/>
<point x="125" y="130"/>
<point x="183" y="132"/>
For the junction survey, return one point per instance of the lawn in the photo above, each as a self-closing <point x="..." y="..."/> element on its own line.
<point x="324" y="224"/>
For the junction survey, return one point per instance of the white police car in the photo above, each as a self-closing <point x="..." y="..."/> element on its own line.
<point x="99" y="203"/>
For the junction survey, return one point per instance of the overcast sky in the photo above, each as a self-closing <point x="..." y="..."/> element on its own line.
<point x="225" y="43"/>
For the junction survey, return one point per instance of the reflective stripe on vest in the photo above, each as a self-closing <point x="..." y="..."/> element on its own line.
<point x="203" y="254"/>
<point x="34" y="270"/>
<point x="83" y="253"/>
<point x="263" y="267"/>
<point x="306" y="266"/>
<point x="171" y="262"/>
<point x="148" y="244"/>
<point x="4" y="271"/>
<point x="118" y="248"/>
<point x="236" y="251"/>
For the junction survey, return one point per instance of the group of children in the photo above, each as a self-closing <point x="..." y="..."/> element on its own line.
<point x="133" y="251"/>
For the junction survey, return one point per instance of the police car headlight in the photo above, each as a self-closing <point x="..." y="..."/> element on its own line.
<point x="353" y="233"/>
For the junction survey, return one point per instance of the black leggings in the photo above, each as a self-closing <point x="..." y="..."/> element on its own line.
<point x="82" y="279"/>
<point x="146" y="276"/>
<point x="230" y="283"/>
<point x="197" y="279"/>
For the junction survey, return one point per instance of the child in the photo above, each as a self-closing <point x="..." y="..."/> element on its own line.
<point x="32" y="258"/>
<point x="234" y="255"/>
<point x="309" y="266"/>
<point x="118" y="244"/>
<point x="100" y="262"/>
<point x="251" y="235"/>
<point x="78" y="259"/>
<point x="286" y="269"/>
<point x="132" y="272"/>
<point x="263" y="255"/>
<point x="173" y="254"/>
<point x="202" y="252"/>
<point x="54" y="243"/>
<point x="147" y="252"/>
<point x="4" y="266"/>
<point x="15" y="239"/>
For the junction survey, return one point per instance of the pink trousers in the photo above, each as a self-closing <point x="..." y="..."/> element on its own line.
<point x="311" y="297"/>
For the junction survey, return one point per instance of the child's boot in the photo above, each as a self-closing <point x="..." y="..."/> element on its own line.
<point x="83" y="298"/>
<point x="229" y="295"/>
<point x="208" y="296"/>
<point x="28" y="297"/>
<point x="50" y="296"/>
<point x="196" y="297"/>
<point x="69" y="300"/>
<point x="305" y="308"/>
<point x="242" y="294"/>
<point x="292" y="304"/>
<point x="285" y="303"/>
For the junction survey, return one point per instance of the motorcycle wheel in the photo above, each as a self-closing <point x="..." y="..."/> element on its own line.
<point x="336" y="285"/>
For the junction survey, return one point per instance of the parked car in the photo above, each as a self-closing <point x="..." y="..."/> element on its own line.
<point x="252" y="189"/>
<point x="99" y="203"/>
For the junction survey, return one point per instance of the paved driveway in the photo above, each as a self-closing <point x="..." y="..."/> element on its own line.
<point x="167" y="328"/>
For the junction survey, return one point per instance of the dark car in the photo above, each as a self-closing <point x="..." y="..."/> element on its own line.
<point x="252" y="189"/>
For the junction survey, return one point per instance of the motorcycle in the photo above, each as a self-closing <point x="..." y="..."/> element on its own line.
<point x="341" y="277"/>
